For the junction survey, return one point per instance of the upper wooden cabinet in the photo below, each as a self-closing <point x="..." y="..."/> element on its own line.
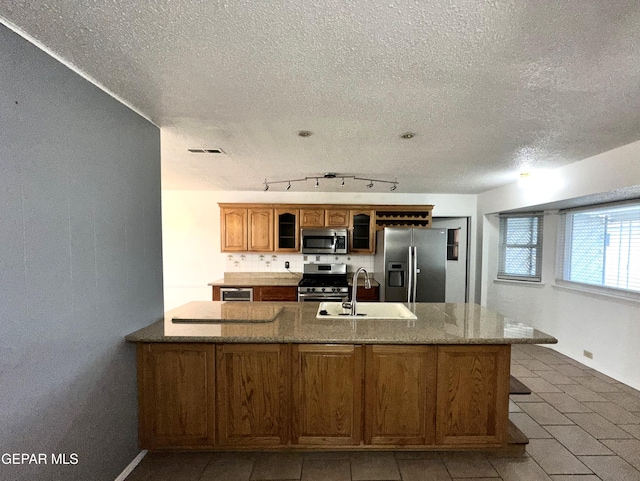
<point x="324" y="217"/>
<point x="336" y="218"/>
<point x="276" y="227"/>
<point x="363" y="231"/>
<point x="287" y="223"/>
<point x="233" y="229"/>
<point x="311" y="217"/>
<point x="260" y="223"/>
<point x="248" y="229"/>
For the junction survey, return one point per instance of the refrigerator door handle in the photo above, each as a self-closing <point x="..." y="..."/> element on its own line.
<point x="415" y="273"/>
<point x="410" y="272"/>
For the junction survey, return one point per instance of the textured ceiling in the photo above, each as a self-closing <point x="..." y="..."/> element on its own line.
<point x="489" y="87"/>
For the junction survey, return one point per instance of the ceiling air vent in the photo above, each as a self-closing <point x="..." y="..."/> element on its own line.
<point x="206" y="151"/>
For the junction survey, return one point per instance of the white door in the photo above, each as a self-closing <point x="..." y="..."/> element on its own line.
<point x="456" y="283"/>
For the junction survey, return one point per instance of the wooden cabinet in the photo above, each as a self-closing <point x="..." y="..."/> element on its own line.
<point x="400" y="395"/>
<point x="276" y="227"/>
<point x="276" y="293"/>
<point x="324" y="217"/>
<point x="287" y="224"/>
<point x="336" y="218"/>
<point x="311" y="217"/>
<point x="246" y="230"/>
<point x="233" y="229"/>
<point x="253" y="394"/>
<point x="260" y="237"/>
<point x="363" y="232"/>
<point x="265" y="293"/>
<point x="176" y="395"/>
<point x="327" y="396"/>
<point x="199" y="395"/>
<point x="473" y="394"/>
<point x="367" y="295"/>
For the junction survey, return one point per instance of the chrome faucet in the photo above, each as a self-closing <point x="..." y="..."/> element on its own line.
<point x="354" y="289"/>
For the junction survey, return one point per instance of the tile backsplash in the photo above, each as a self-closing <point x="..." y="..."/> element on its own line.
<point x="274" y="262"/>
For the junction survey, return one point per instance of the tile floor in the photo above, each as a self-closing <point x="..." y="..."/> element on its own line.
<point x="582" y="426"/>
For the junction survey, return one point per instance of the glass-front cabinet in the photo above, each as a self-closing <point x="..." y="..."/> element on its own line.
<point x="362" y="231"/>
<point x="287" y="230"/>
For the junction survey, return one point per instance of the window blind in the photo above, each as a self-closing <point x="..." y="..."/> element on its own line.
<point x="520" y="253"/>
<point x="601" y="247"/>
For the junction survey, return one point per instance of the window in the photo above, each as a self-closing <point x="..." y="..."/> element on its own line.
<point x="601" y="247"/>
<point x="520" y="256"/>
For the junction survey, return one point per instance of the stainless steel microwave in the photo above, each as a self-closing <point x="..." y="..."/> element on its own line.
<point x="324" y="241"/>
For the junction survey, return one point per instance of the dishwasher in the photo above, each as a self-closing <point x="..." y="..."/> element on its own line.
<point x="243" y="294"/>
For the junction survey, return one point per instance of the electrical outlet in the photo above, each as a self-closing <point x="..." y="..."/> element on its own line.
<point x="587" y="354"/>
<point x="286" y="264"/>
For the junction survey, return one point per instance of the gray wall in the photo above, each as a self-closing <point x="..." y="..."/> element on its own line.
<point x="80" y="265"/>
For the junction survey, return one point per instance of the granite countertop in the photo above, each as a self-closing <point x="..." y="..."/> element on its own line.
<point x="279" y="279"/>
<point x="251" y="279"/>
<point x="250" y="322"/>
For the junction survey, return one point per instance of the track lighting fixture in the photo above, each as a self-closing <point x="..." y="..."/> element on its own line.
<point x="332" y="175"/>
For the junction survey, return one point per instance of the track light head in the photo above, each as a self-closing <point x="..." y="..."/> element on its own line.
<point x="289" y="186"/>
<point x="317" y="183"/>
<point x="370" y="184"/>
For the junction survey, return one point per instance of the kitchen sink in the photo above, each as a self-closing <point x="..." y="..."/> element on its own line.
<point x="365" y="310"/>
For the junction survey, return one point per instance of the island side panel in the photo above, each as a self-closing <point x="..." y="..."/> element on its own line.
<point x="400" y="395"/>
<point x="473" y="395"/>
<point x="327" y="394"/>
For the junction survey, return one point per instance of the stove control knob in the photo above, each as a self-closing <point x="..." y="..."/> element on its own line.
<point x="313" y="289"/>
<point x="323" y="289"/>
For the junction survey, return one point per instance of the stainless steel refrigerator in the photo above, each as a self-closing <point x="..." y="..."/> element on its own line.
<point x="411" y="264"/>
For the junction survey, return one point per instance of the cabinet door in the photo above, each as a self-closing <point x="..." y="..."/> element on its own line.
<point x="287" y="230"/>
<point x="233" y="229"/>
<point x="327" y="388"/>
<point x="311" y="217"/>
<point x="363" y="231"/>
<point x="369" y="295"/>
<point x="473" y="395"/>
<point x="400" y="395"/>
<point x="253" y="400"/>
<point x="260" y="230"/>
<point x="176" y="395"/>
<point x="336" y="218"/>
<point x="276" y="293"/>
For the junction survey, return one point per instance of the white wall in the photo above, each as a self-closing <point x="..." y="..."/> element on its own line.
<point x="606" y="326"/>
<point x="191" y="232"/>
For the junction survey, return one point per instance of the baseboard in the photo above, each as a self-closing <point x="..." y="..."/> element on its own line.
<point x="132" y="465"/>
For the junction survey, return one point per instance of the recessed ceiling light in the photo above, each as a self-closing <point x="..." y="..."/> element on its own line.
<point x="408" y="135"/>
<point x="305" y="133"/>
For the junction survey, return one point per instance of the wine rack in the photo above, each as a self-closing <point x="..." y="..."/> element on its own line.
<point x="404" y="218"/>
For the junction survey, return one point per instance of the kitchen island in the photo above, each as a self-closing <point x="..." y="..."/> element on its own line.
<point x="267" y="375"/>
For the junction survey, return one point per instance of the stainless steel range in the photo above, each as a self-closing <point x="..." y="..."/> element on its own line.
<point x="323" y="282"/>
